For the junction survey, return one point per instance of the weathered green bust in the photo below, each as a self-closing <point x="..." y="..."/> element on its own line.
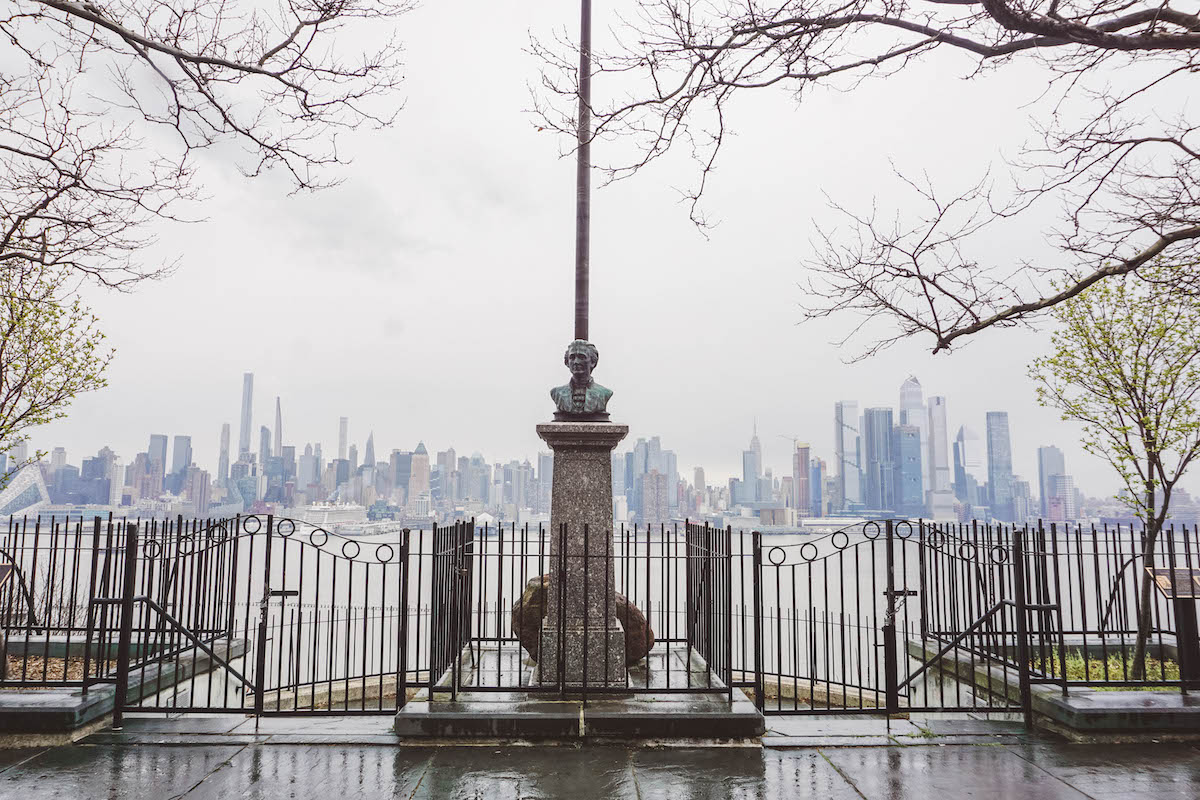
<point x="582" y="398"/>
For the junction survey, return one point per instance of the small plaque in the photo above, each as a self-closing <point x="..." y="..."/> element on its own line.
<point x="1177" y="584"/>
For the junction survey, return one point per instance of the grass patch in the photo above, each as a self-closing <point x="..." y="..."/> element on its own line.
<point x="1119" y="666"/>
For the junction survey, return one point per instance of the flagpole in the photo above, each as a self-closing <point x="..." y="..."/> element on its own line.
<point x="583" y="204"/>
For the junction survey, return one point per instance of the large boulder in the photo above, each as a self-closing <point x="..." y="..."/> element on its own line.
<point x="527" y="614"/>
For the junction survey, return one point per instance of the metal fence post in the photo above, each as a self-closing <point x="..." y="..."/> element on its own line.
<point x="126" y="636"/>
<point x="891" y="667"/>
<point x="402" y="683"/>
<point x="260" y="671"/>
<point x="1023" y="665"/>
<point x="759" y="688"/>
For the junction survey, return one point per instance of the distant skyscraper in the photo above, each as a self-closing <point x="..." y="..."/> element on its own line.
<point x="698" y="479"/>
<point x="801" y="498"/>
<point x="653" y="493"/>
<point x="264" y="447"/>
<point x="418" y="481"/>
<point x="353" y="458"/>
<point x="937" y="472"/>
<point x="1063" y="496"/>
<point x="756" y="448"/>
<point x="1000" y="475"/>
<point x="1050" y="463"/>
<point x="247" y="407"/>
<point x="914" y="412"/>
<point x="846" y="451"/>
<point x="967" y="461"/>
<point x="369" y="452"/>
<point x="181" y="455"/>
<point x="343" y="425"/>
<point x="906" y="452"/>
<point x="671" y="470"/>
<point x="223" y="462"/>
<point x="278" y="453"/>
<point x="157" y="452"/>
<point x="879" y="463"/>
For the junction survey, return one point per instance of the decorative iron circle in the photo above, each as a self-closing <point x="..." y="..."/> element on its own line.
<point x="191" y="543"/>
<point x="845" y="540"/>
<point x="357" y="548"/>
<point x="871" y="530"/>
<point x="286" y="531"/>
<point x="217" y="533"/>
<point x="1003" y="554"/>
<point x="804" y="551"/>
<point x="969" y="547"/>
<point x="390" y="553"/>
<point x="936" y="539"/>
<point x="771" y="556"/>
<point x="252" y="519"/>
<point x="312" y="537"/>
<point x="150" y="553"/>
<point x="907" y="525"/>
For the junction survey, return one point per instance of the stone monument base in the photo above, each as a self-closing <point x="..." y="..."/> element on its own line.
<point x="603" y="650"/>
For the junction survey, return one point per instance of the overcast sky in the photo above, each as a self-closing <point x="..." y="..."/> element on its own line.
<point x="429" y="297"/>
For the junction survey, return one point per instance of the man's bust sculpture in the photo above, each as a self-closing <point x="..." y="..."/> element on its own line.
<point x="582" y="399"/>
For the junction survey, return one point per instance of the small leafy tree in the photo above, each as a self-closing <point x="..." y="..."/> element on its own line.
<point x="1125" y="362"/>
<point x="50" y="350"/>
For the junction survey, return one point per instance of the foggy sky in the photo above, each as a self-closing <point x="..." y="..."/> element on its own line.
<point x="429" y="297"/>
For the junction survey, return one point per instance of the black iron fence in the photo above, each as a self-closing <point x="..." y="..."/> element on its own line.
<point x="273" y="616"/>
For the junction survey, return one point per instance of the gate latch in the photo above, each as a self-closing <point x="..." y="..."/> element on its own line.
<point x="889" y="618"/>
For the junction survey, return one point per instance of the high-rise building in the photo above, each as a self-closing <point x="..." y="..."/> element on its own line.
<point x="756" y="448"/>
<point x="1063" y="496"/>
<point x="156" y="453"/>
<point x="879" y="471"/>
<point x="278" y="452"/>
<point x="698" y="479"/>
<point x="247" y="407"/>
<point x="181" y="454"/>
<point x="847" y="452"/>
<point x="223" y="461"/>
<point x="671" y="470"/>
<point x="343" y="429"/>
<point x="264" y="446"/>
<point x="906" y="451"/>
<point x="353" y="458"/>
<point x="418" y="481"/>
<point x="967" y="461"/>
<point x="58" y="459"/>
<point x="749" y="482"/>
<point x="1050" y="463"/>
<point x="369" y="451"/>
<point x="938" y="472"/>
<point x="816" y="486"/>
<point x="801" y="498"/>
<point x="653" y="493"/>
<point x="1000" y="475"/>
<point x="913" y="411"/>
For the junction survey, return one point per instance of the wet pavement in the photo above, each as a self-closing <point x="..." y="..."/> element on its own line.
<point x="344" y="758"/>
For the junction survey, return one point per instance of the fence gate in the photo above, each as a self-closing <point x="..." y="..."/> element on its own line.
<point x="892" y="617"/>
<point x="253" y="614"/>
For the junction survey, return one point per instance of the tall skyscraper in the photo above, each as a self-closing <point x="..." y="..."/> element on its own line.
<point x="343" y="426"/>
<point x="967" y="460"/>
<point x="938" y="475"/>
<point x="1000" y="475"/>
<point x="278" y="453"/>
<point x="698" y="479"/>
<point x="369" y="452"/>
<point x="801" y="498"/>
<point x="157" y="452"/>
<point x="914" y="412"/>
<point x="653" y="493"/>
<point x="418" y="481"/>
<point x="1050" y="463"/>
<point x="247" y="407"/>
<point x="847" y="451"/>
<point x="1064" y="505"/>
<point x="223" y="462"/>
<point x="879" y="469"/>
<point x="906" y="450"/>
<point x="756" y="448"/>
<point x="181" y="455"/>
<point x="264" y="447"/>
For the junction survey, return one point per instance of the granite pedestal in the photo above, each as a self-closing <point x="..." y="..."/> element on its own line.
<point x="581" y="626"/>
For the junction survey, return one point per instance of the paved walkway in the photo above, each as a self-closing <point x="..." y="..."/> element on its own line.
<point x="343" y="758"/>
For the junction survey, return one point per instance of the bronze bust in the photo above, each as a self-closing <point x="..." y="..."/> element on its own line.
<point x="582" y="399"/>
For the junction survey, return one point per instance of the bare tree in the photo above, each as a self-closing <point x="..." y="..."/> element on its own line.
<point x="103" y="109"/>
<point x="1116" y="155"/>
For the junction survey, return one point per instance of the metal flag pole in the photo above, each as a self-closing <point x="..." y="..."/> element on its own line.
<point x="583" y="172"/>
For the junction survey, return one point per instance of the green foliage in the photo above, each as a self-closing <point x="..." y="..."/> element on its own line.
<point x="1125" y="363"/>
<point x="50" y="350"/>
<point x="1119" y="665"/>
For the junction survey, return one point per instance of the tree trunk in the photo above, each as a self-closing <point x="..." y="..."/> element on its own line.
<point x="1145" y="600"/>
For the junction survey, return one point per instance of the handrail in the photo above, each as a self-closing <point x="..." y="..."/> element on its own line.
<point x="178" y="626"/>
<point x="969" y="629"/>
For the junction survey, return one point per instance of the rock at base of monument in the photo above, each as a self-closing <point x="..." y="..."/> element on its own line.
<point x="605" y="662"/>
<point x="528" y="612"/>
